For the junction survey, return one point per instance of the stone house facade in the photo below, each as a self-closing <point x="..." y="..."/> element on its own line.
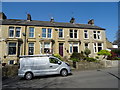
<point x="31" y="37"/>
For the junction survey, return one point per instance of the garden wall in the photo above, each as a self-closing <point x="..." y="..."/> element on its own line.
<point x="110" y="63"/>
<point x="84" y="65"/>
<point x="9" y="71"/>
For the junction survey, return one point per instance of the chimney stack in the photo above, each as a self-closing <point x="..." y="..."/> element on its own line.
<point x="72" y="20"/>
<point x="52" y="20"/>
<point x="2" y="16"/>
<point x="91" y="22"/>
<point x="29" y="17"/>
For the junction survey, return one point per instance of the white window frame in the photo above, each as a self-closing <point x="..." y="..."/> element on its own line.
<point x="85" y="46"/>
<point x="8" y="49"/>
<point x="47" y="32"/>
<point x="16" y="30"/>
<point x="13" y="31"/>
<point x="99" y="35"/>
<point x="73" y="33"/>
<point x="33" y="47"/>
<point x="62" y="33"/>
<point x="32" y="32"/>
<point x="86" y="33"/>
<point x="97" y="47"/>
<point x="11" y="60"/>
<point x="95" y="34"/>
<point x="100" y="46"/>
<point x="73" y="44"/>
<point x="42" y="45"/>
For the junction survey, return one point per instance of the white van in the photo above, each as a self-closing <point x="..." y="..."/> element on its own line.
<point x="40" y="65"/>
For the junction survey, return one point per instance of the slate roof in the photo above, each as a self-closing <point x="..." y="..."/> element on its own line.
<point x="48" y="24"/>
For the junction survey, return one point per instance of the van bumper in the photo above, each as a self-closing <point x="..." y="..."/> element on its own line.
<point x="21" y="75"/>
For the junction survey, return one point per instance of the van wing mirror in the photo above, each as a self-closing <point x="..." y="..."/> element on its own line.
<point x="59" y="62"/>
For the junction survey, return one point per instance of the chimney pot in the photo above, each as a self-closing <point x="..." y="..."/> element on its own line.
<point x="52" y="19"/>
<point x="29" y="17"/>
<point x="91" y="22"/>
<point x="2" y="16"/>
<point x="72" y="20"/>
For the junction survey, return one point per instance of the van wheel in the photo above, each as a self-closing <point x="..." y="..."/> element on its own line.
<point x="28" y="76"/>
<point x="64" y="72"/>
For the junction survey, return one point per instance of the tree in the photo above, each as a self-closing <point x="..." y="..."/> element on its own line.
<point x="105" y="53"/>
<point x="87" y="52"/>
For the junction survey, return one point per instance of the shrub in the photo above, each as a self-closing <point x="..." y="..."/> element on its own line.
<point x="82" y="56"/>
<point x="105" y="53"/>
<point x="75" y="57"/>
<point x="87" y="52"/>
<point x="58" y="56"/>
<point x="90" y="59"/>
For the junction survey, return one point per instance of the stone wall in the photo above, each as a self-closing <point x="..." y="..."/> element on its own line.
<point x="110" y="63"/>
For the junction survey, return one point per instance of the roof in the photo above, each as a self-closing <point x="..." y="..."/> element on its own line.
<point x="48" y="24"/>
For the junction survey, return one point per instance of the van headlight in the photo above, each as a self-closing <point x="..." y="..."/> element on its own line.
<point x="67" y="64"/>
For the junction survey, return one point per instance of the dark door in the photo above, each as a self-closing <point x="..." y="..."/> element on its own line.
<point x="61" y="49"/>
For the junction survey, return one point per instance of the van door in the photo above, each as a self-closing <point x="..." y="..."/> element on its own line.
<point x="54" y="66"/>
<point x="41" y="66"/>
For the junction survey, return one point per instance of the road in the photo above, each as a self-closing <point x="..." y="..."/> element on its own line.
<point x="104" y="78"/>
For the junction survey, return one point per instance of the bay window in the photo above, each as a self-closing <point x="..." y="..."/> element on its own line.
<point x="31" y="48"/>
<point x="12" y="48"/>
<point x="73" y="47"/>
<point x="97" y="47"/>
<point x="86" y="45"/>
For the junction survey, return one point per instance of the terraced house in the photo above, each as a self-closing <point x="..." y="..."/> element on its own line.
<point x="30" y="37"/>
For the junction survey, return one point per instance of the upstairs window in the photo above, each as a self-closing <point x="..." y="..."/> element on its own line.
<point x="31" y="48"/>
<point x="73" y="34"/>
<point x="11" y="31"/>
<point x="14" y="32"/>
<point x="31" y="32"/>
<point x="46" y="33"/>
<point x="12" y="48"/>
<point x="97" y="34"/>
<point x="86" y="34"/>
<point x="18" y="29"/>
<point x="49" y="32"/>
<point x="60" y="33"/>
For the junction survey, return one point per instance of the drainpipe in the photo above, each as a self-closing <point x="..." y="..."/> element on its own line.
<point x="24" y="34"/>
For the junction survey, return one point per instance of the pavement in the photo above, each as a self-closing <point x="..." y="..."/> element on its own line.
<point x="102" y="78"/>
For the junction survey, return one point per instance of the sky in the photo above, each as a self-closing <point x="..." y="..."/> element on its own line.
<point x="105" y="14"/>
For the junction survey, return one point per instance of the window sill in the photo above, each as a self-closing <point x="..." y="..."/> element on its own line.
<point x="12" y="55"/>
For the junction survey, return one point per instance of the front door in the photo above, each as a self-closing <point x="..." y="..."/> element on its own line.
<point x="61" y="49"/>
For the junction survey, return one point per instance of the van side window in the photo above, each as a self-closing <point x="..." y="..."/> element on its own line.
<point x="53" y="60"/>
